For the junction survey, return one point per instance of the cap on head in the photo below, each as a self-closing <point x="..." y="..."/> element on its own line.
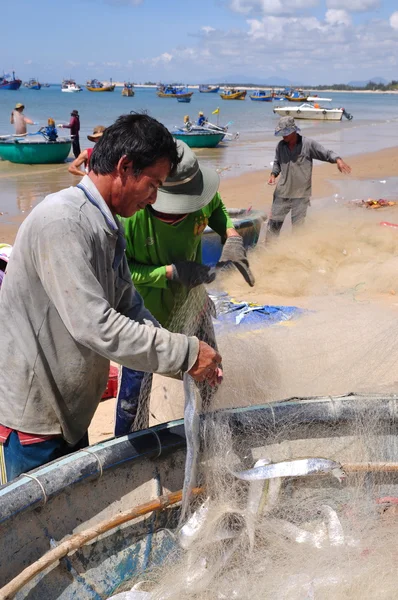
<point x="97" y="133"/>
<point x="286" y="126"/>
<point x="200" y="113"/>
<point x="19" y="105"/>
<point x="51" y="122"/>
<point x="74" y="113"/>
<point x="191" y="188"/>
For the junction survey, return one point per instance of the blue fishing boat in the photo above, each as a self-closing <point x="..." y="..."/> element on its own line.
<point x="173" y="91"/>
<point x="33" y="84"/>
<point x="107" y="515"/>
<point x="184" y="99"/>
<point x="9" y="83"/>
<point x="209" y="89"/>
<point x="261" y="96"/>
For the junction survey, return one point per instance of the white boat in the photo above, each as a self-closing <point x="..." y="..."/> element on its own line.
<point x="70" y="86"/>
<point x="312" y="112"/>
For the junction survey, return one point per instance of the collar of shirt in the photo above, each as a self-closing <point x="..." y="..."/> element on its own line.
<point x="100" y="203"/>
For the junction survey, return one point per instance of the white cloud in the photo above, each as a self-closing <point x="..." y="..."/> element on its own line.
<point x="111" y="63"/>
<point x="394" y="20"/>
<point x="271" y="7"/>
<point x="72" y="63"/>
<point x="353" y="5"/>
<point x="207" y="29"/>
<point x="28" y="62"/>
<point x="337" y="17"/>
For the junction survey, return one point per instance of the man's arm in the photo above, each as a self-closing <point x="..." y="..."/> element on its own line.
<point x="28" y="121"/>
<point x="219" y="219"/>
<point x="72" y="285"/>
<point x="318" y="152"/>
<point x="74" y="167"/>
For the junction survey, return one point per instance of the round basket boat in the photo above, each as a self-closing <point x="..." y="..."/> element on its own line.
<point x="247" y="222"/>
<point x="43" y="509"/>
<point x="37" y="152"/>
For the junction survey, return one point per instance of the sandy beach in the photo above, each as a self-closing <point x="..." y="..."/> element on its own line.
<point x="341" y="267"/>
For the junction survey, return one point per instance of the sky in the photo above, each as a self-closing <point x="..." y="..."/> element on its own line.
<point x="304" y="41"/>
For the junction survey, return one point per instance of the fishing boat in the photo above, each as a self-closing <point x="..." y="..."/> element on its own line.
<point x="128" y="90"/>
<point x="8" y="82"/>
<point x="312" y="112"/>
<point x="34" y="149"/>
<point x="199" y="139"/>
<point x="172" y="91"/>
<point x="33" y="84"/>
<point x="184" y="99"/>
<point x="261" y="96"/>
<point x="296" y="96"/>
<point x="122" y="496"/>
<point x="209" y="89"/>
<point x="233" y="94"/>
<point x="247" y="223"/>
<point x="69" y="86"/>
<point x="97" y="86"/>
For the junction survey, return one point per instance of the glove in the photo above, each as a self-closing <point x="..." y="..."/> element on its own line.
<point x="235" y="253"/>
<point x="190" y="274"/>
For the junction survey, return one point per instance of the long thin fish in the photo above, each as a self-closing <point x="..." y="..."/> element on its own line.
<point x="292" y="468"/>
<point x="191" y="424"/>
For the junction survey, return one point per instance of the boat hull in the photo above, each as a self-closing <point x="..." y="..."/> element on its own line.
<point x="200" y="139"/>
<point x="311" y="114"/>
<point x="128" y="93"/>
<point x="35" y="153"/>
<point x="247" y="224"/>
<point x="210" y="91"/>
<point x="184" y="95"/>
<point x="236" y="96"/>
<point x="184" y="100"/>
<point x="106" y="88"/>
<point x="294" y="99"/>
<point x="11" y="85"/>
<point x="87" y="487"/>
<point x="261" y="98"/>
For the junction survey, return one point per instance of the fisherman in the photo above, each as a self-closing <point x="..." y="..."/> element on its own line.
<point x="68" y="305"/>
<point x="74" y="126"/>
<point x="187" y="123"/>
<point x="201" y="120"/>
<point x="85" y="155"/>
<point x="293" y="165"/>
<point x="50" y="131"/>
<point x="19" y="120"/>
<point x="164" y="253"/>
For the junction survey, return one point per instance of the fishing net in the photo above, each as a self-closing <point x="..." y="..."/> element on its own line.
<point x="324" y="525"/>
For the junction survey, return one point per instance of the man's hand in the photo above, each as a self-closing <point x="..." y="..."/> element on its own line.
<point x="206" y="366"/>
<point x="190" y="273"/>
<point x="234" y="253"/>
<point x="272" y="179"/>
<point x="343" y="167"/>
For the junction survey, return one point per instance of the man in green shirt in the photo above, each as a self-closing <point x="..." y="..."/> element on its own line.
<point x="164" y="253"/>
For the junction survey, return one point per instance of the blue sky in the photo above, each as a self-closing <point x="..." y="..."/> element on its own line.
<point x="312" y="41"/>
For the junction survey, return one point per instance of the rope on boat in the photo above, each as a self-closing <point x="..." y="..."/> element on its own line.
<point x="76" y="541"/>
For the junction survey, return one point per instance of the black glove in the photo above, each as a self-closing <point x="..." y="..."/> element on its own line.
<point x="191" y="273"/>
<point x="234" y="253"/>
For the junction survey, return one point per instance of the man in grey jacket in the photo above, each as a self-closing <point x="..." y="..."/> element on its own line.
<point x="68" y="307"/>
<point x="293" y="165"/>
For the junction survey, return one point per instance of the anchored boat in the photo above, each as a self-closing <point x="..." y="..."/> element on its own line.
<point x="122" y="495"/>
<point x="172" y="91"/>
<point x="33" y="84"/>
<point x="8" y="82"/>
<point x="70" y="86"/>
<point x="128" y="90"/>
<point x="209" y="89"/>
<point x="233" y="94"/>
<point x="97" y="86"/>
<point x="34" y="149"/>
<point x="312" y="112"/>
<point x="261" y="96"/>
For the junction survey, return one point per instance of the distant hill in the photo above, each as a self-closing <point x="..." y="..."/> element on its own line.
<point x="359" y="84"/>
<point x="247" y="79"/>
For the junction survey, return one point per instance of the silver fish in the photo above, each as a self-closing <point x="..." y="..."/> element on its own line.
<point x="292" y="468"/>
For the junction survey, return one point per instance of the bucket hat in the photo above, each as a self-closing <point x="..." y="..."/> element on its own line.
<point x="190" y="189"/>
<point x="19" y="105"/>
<point x="286" y="126"/>
<point x="97" y="133"/>
<point x="74" y="113"/>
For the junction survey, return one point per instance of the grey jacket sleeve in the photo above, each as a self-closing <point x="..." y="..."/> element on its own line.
<point x="276" y="167"/>
<point x="318" y="152"/>
<point x="71" y="283"/>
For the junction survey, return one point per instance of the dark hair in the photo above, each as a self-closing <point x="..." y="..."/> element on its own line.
<point x="141" y="138"/>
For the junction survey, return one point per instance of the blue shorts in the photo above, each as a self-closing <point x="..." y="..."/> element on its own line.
<point x="16" y="458"/>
